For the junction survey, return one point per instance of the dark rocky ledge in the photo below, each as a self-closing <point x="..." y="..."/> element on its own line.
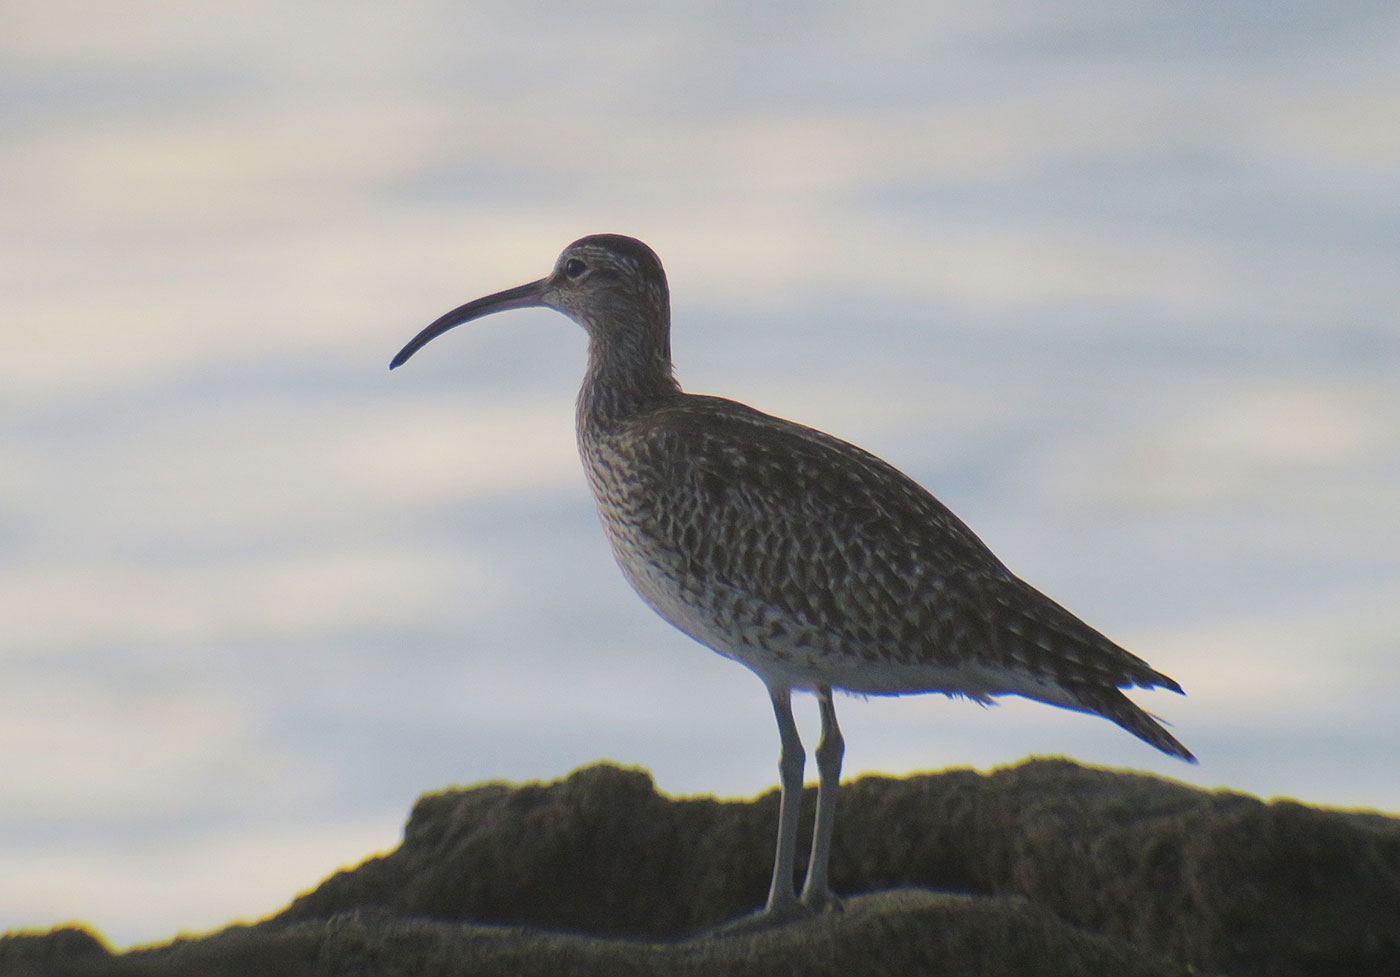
<point x="1047" y="868"/>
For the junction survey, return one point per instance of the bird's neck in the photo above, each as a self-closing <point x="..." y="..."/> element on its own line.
<point x="629" y="372"/>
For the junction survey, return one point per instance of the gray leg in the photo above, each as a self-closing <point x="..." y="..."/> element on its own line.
<point x="790" y="764"/>
<point x="816" y="894"/>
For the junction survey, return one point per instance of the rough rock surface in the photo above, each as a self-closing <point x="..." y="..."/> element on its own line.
<point x="1044" y="868"/>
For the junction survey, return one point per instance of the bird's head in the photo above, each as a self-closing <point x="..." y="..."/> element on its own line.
<point x="611" y="285"/>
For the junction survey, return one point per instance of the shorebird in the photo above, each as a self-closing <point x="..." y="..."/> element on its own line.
<point x="807" y="559"/>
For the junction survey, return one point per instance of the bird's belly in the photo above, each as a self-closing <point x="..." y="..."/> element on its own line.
<point x="784" y="653"/>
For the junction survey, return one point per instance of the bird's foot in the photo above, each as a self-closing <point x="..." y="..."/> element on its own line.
<point x="770" y="916"/>
<point x="761" y="919"/>
<point x="821" y="901"/>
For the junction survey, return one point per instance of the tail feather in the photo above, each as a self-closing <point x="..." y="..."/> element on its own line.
<point x="1049" y="638"/>
<point x="1112" y="704"/>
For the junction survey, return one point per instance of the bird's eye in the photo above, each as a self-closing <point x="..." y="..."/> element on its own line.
<point x="574" y="269"/>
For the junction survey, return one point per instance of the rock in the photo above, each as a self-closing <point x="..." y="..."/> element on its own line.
<point x="1044" y="868"/>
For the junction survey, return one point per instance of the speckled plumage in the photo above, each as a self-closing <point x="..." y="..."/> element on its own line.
<point x="815" y="563"/>
<point x="809" y="560"/>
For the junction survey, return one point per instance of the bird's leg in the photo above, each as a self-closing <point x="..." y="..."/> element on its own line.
<point x="816" y="893"/>
<point x="791" y="762"/>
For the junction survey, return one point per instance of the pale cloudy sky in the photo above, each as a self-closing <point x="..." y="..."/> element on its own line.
<point x="1117" y="282"/>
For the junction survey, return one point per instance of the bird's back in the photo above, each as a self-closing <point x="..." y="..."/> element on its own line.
<point x="816" y="563"/>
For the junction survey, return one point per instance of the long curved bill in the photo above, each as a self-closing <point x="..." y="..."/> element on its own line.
<point x="520" y="297"/>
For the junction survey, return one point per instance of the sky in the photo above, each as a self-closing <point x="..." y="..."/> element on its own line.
<point x="1117" y="282"/>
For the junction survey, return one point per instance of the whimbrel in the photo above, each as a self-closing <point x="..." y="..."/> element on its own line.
<point x="809" y="560"/>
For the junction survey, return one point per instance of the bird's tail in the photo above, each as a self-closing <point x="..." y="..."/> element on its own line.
<point x="1112" y="704"/>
